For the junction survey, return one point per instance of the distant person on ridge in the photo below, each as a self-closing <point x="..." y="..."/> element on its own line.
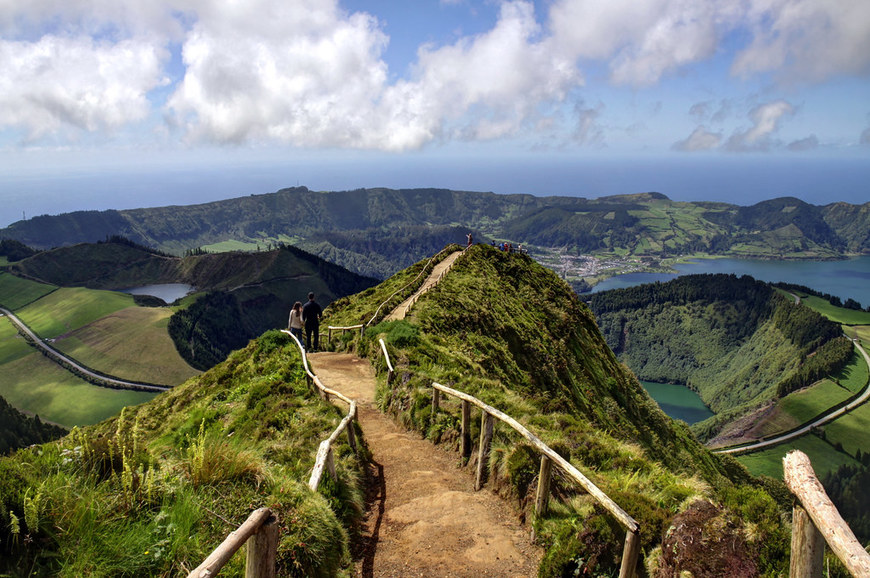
<point x="468" y="236"/>
<point x="295" y="322"/>
<point x="311" y="313"/>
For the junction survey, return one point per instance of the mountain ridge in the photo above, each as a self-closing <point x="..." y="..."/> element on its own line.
<point x="378" y="231"/>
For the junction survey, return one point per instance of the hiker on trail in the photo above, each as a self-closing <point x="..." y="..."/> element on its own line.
<point x="295" y="322"/>
<point x="468" y="236"/>
<point x="311" y="313"/>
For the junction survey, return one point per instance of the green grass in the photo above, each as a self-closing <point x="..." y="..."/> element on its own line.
<point x="822" y="455"/>
<point x="153" y="491"/>
<point x="861" y="332"/>
<point x="838" y="314"/>
<point x="232" y="245"/>
<point x="69" y="308"/>
<point x="16" y="292"/>
<point x="131" y="344"/>
<point x="806" y="404"/>
<point x="4" y="260"/>
<point x="851" y="430"/>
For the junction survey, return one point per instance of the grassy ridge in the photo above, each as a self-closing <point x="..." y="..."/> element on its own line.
<point x="16" y="292"/>
<point x="508" y="331"/>
<point x="153" y="491"/>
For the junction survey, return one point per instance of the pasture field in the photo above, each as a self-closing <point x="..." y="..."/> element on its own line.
<point x="807" y="403"/>
<point x="69" y="308"/>
<point x="4" y="260"/>
<point x="821" y="453"/>
<point x="837" y="314"/>
<point x="31" y="382"/>
<point x="16" y="292"/>
<point x="861" y="332"/>
<point x="131" y="344"/>
<point x="851" y="430"/>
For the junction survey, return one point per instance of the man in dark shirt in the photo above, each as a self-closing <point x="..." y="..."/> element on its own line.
<point x="311" y="313"/>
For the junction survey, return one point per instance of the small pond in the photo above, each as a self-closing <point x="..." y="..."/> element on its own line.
<point x="169" y="292"/>
<point x="678" y="401"/>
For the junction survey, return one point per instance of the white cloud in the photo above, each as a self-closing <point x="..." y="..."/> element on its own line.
<point x="60" y="82"/>
<point x="766" y="119"/>
<point x="642" y="41"/>
<point x="805" y="144"/>
<point x="701" y="139"/>
<point x="806" y="40"/>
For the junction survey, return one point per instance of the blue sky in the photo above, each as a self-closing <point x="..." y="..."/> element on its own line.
<point x="121" y="103"/>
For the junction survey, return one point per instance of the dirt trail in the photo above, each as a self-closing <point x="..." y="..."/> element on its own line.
<point x="424" y="517"/>
<point x="433" y="278"/>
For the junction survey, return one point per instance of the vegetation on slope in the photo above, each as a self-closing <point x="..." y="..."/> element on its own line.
<point x="18" y="430"/>
<point x="380" y="231"/>
<point x="154" y="490"/>
<point x="735" y="341"/>
<point x="508" y="331"/>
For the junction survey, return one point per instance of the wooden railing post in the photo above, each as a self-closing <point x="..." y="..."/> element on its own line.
<point x="263" y="550"/>
<point x="330" y="464"/>
<point x="351" y="436"/>
<point x="630" y="554"/>
<point x="436" y="401"/>
<point x="807" y="546"/>
<point x="542" y="497"/>
<point x="466" y="429"/>
<point x="486" y="425"/>
<point x="329" y="334"/>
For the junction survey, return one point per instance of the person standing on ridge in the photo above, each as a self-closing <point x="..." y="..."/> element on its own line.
<point x="311" y="313"/>
<point x="469" y="239"/>
<point x="295" y="322"/>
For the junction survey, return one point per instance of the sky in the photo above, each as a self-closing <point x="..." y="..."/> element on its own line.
<point x="124" y="103"/>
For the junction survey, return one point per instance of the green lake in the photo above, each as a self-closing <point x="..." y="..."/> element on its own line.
<point x="678" y="401"/>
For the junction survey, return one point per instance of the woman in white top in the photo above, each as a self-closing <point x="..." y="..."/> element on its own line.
<point x="295" y="323"/>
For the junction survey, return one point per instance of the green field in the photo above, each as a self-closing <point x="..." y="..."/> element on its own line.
<point x="821" y="453"/>
<point x="31" y="382"/>
<point x="861" y="332"/>
<point x="851" y="430"/>
<point x="16" y="292"/>
<point x="838" y="314"/>
<point x="132" y="344"/>
<point x="69" y="308"/>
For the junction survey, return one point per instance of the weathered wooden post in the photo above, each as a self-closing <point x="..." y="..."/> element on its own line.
<point x="351" y="435"/>
<point x="807" y="546"/>
<point x="436" y="401"/>
<point x="466" y="431"/>
<point x="486" y="425"/>
<point x="816" y="510"/>
<point x="542" y="496"/>
<point x="630" y="553"/>
<point x="329" y="334"/>
<point x="330" y="464"/>
<point x="263" y="550"/>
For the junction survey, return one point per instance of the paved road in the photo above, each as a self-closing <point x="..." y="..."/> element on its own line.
<point x="815" y="423"/>
<point x="68" y="362"/>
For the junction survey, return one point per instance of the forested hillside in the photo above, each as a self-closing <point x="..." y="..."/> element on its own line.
<point x="379" y="231"/>
<point x="734" y="340"/>
<point x="240" y="294"/>
<point x="505" y="329"/>
<point x="18" y="430"/>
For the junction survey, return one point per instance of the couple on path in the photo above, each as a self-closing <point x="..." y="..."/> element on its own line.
<point x="307" y="316"/>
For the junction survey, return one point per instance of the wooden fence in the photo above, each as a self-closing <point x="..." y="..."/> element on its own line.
<point x="260" y="530"/>
<point x="815" y="521"/>
<point x="361" y="327"/>
<point x="631" y="547"/>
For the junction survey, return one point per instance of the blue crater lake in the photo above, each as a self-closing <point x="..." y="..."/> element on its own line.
<point x="678" y="401"/>
<point x="169" y="292"/>
<point x="849" y="278"/>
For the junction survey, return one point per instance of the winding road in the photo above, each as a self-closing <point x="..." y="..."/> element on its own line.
<point x="825" y="418"/>
<point x="76" y="367"/>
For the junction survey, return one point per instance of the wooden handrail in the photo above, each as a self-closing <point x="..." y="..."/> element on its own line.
<point x="631" y="547"/>
<point x="261" y="526"/>
<point x="815" y="517"/>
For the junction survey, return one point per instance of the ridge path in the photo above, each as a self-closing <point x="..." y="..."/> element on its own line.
<point x="433" y="278"/>
<point x="423" y="516"/>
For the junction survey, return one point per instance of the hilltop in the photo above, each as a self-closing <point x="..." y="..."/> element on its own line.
<point x="507" y="330"/>
<point x="377" y="232"/>
<point x="243" y="434"/>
